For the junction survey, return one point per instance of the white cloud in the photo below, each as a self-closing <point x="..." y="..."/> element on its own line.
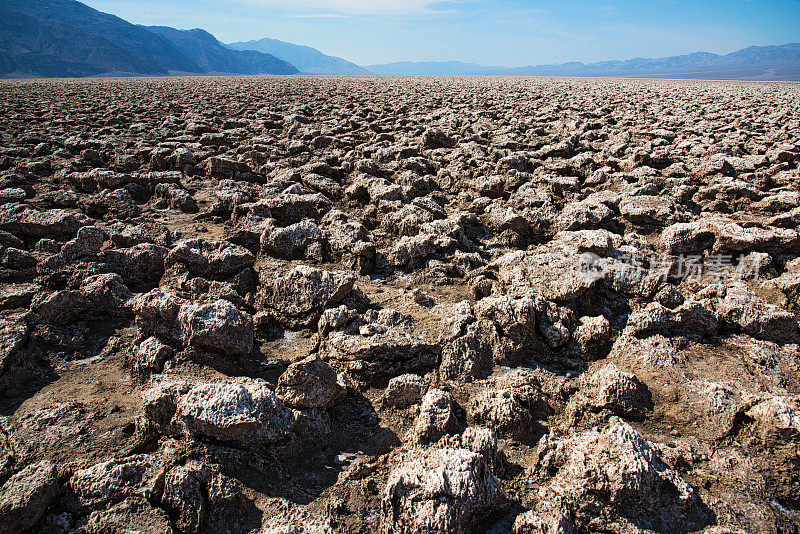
<point x="349" y="7"/>
<point x="321" y="16"/>
<point x="609" y="11"/>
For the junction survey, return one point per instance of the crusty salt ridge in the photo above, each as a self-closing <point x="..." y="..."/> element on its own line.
<point x="372" y="304"/>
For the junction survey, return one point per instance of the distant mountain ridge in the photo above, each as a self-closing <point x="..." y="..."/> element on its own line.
<point x="751" y="63"/>
<point x="308" y="60"/>
<point x="67" y="38"/>
<point x="213" y="57"/>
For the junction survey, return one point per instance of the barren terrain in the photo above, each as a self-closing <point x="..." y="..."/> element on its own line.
<point x="443" y="305"/>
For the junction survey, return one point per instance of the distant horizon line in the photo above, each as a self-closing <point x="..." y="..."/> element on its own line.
<point x="499" y="66"/>
<point x="573" y="61"/>
<point x="134" y="76"/>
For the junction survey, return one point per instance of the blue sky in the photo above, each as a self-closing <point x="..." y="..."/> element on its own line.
<point x="490" y="32"/>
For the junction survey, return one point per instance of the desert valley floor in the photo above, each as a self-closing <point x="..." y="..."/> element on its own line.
<point x="399" y="305"/>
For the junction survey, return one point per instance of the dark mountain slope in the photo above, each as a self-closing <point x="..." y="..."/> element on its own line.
<point x="60" y="33"/>
<point x="49" y="48"/>
<point x="67" y="38"/>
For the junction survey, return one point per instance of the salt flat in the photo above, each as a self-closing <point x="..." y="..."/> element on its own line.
<point x="399" y="304"/>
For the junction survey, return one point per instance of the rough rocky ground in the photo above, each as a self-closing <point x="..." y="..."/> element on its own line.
<point x="399" y="305"/>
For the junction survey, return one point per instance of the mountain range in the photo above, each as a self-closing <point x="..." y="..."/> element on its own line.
<point x="65" y="38"/>
<point x="752" y="63"/>
<point x="213" y="57"/>
<point x="308" y="60"/>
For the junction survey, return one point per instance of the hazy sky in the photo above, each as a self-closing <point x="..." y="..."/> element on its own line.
<point x="490" y="32"/>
